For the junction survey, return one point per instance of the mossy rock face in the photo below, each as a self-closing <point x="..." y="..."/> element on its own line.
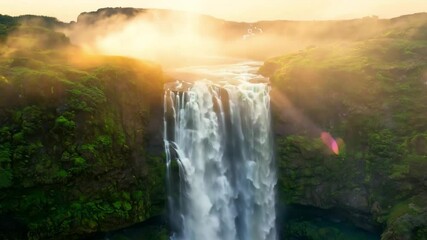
<point x="75" y="148"/>
<point x="371" y="97"/>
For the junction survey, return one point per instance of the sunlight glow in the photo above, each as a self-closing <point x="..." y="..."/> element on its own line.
<point x="155" y="36"/>
<point x="238" y="10"/>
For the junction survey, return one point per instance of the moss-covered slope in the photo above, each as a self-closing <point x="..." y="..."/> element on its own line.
<point x="372" y="96"/>
<point x="75" y="136"/>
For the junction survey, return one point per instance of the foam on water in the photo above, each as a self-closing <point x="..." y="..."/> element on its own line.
<point x="220" y="137"/>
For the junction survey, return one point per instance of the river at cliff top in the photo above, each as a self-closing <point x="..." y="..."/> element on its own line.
<point x="234" y="72"/>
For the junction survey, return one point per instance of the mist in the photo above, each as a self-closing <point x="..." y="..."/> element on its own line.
<point x="176" y="38"/>
<point x="170" y="38"/>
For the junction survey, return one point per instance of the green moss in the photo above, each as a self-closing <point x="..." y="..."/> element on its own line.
<point x="79" y="161"/>
<point x="19" y="137"/>
<point x="5" y="153"/>
<point x="370" y="95"/>
<point x="68" y="141"/>
<point x="5" y="178"/>
<point x="63" y="122"/>
<point x="407" y="219"/>
<point x="105" y="141"/>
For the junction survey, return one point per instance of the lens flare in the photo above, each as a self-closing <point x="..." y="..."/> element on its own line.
<point x="330" y="142"/>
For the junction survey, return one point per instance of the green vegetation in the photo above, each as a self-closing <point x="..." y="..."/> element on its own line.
<point x="372" y="95"/>
<point x="75" y="156"/>
<point x="73" y="151"/>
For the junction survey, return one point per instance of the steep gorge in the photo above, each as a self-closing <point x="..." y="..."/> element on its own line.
<point x="81" y="149"/>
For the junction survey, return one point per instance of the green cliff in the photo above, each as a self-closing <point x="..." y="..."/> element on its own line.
<point x="372" y="97"/>
<point x="80" y="135"/>
<point x="76" y="136"/>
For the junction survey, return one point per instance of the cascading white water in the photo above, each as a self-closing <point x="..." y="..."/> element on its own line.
<point x="221" y="139"/>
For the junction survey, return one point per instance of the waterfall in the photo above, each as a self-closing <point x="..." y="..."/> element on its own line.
<point x="220" y="137"/>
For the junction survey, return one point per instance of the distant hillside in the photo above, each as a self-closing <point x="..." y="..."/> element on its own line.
<point x="261" y="39"/>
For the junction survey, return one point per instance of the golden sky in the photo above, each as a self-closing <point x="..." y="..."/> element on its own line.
<point x="240" y="10"/>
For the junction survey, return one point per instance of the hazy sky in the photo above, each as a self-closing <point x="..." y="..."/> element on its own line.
<point x="243" y="10"/>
